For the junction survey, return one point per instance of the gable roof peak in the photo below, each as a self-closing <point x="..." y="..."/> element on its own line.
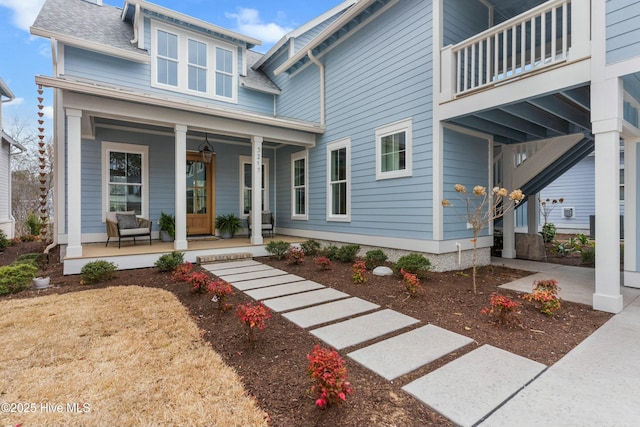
<point x="304" y="28"/>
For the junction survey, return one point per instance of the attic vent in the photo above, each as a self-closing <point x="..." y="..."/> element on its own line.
<point x="568" y="212"/>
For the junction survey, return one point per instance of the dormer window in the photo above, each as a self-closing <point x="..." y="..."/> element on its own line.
<point x="224" y="72"/>
<point x="167" y="58"/>
<point x="197" y="66"/>
<point x="188" y="63"/>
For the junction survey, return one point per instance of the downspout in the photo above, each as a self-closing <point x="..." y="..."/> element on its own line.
<point x="54" y="231"/>
<point x="322" y="86"/>
<point x="136" y="16"/>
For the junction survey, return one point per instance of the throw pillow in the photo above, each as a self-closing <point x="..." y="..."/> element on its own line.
<point x="127" y="221"/>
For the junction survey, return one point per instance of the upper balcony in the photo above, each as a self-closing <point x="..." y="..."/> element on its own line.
<point x="547" y="36"/>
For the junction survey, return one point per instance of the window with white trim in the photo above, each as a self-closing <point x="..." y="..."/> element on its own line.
<point x="185" y="62"/>
<point x="339" y="180"/>
<point x="299" y="205"/>
<point x="125" y="174"/>
<point x="197" y="66"/>
<point x="167" y="58"/>
<point x="224" y="72"/>
<point x="394" y="150"/>
<point x="246" y="180"/>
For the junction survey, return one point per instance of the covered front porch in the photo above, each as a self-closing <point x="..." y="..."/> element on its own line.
<point x="143" y="255"/>
<point x="157" y="144"/>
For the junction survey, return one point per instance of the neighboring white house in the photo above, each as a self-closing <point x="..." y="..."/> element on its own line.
<point x="7" y="222"/>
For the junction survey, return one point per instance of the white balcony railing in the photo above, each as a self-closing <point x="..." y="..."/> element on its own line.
<point x="554" y="32"/>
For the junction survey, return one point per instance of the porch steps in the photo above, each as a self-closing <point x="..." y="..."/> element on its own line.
<point x="212" y="259"/>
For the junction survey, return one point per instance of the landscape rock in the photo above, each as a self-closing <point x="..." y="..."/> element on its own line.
<point x="382" y="271"/>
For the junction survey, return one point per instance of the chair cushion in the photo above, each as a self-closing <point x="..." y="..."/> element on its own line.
<point x="111" y="216"/>
<point x="134" y="232"/>
<point x="126" y="221"/>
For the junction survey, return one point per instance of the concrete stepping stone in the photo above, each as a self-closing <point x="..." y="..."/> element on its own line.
<point x="219" y="266"/>
<point x="240" y="270"/>
<point x="363" y="328"/>
<point x="286" y="289"/>
<point x="304" y="299"/>
<point x="407" y="352"/>
<point x="469" y="388"/>
<point x="252" y="275"/>
<point x="266" y="281"/>
<point x="330" y="311"/>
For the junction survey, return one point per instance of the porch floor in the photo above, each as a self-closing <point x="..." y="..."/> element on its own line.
<point x="142" y="255"/>
<point x="159" y="247"/>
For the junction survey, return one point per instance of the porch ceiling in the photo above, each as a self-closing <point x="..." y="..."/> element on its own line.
<point x="561" y="113"/>
<point x="506" y="9"/>
<point x="191" y="134"/>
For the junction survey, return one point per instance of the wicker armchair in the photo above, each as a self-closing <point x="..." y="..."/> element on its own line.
<point x="267" y="222"/>
<point x="126" y="224"/>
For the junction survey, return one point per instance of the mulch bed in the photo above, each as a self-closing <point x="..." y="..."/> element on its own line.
<point x="274" y="370"/>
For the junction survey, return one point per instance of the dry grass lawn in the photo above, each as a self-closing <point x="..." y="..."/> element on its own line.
<point x="128" y="356"/>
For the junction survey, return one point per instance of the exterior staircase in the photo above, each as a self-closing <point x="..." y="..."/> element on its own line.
<point x="536" y="164"/>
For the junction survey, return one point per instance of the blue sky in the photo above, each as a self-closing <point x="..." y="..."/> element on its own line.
<point x="24" y="56"/>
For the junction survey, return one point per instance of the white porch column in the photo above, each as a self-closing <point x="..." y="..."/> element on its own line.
<point x="256" y="190"/>
<point x="532" y="213"/>
<point x="74" y="156"/>
<point x="509" y="220"/>
<point x="631" y="274"/>
<point x="180" y="242"/>
<point x="606" y="114"/>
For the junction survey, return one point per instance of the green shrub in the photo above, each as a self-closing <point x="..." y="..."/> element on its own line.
<point x="375" y="258"/>
<point x="98" y="271"/>
<point x="278" y="248"/>
<point x="583" y="239"/>
<point x="412" y="263"/>
<point x="3" y="241"/>
<point x="310" y="247"/>
<point x="348" y="253"/>
<point x="331" y="252"/>
<point x="588" y="255"/>
<point x="16" y="277"/>
<point x="169" y="262"/>
<point x="548" y="232"/>
<point x="34" y="224"/>
<point x="33" y="258"/>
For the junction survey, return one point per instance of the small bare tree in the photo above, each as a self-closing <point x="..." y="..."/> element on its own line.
<point x="482" y="208"/>
<point x="26" y="175"/>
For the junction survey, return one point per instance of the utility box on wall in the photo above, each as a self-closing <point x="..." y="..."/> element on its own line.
<point x="592" y="226"/>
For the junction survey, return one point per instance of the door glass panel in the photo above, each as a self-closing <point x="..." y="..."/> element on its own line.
<point x="196" y="187"/>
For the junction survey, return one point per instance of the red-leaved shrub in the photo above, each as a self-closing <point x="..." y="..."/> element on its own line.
<point x="327" y="369"/>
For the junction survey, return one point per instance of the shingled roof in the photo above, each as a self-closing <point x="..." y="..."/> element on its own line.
<point x="83" y="20"/>
<point x="256" y="79"/>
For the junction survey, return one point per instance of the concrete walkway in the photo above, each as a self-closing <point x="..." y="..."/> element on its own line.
<point x="596" y="384"/>
<point x="577" y="284"/>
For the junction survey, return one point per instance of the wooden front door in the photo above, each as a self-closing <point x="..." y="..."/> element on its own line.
<point x="200" y="197"/>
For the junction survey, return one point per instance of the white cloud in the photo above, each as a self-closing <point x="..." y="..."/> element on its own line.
<point x="248" y="22"/>
<point x="48" y="112"/>
<point x="15" y="101"/>
<point x="24" y="11"/>
<point x="45" y="50"/>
